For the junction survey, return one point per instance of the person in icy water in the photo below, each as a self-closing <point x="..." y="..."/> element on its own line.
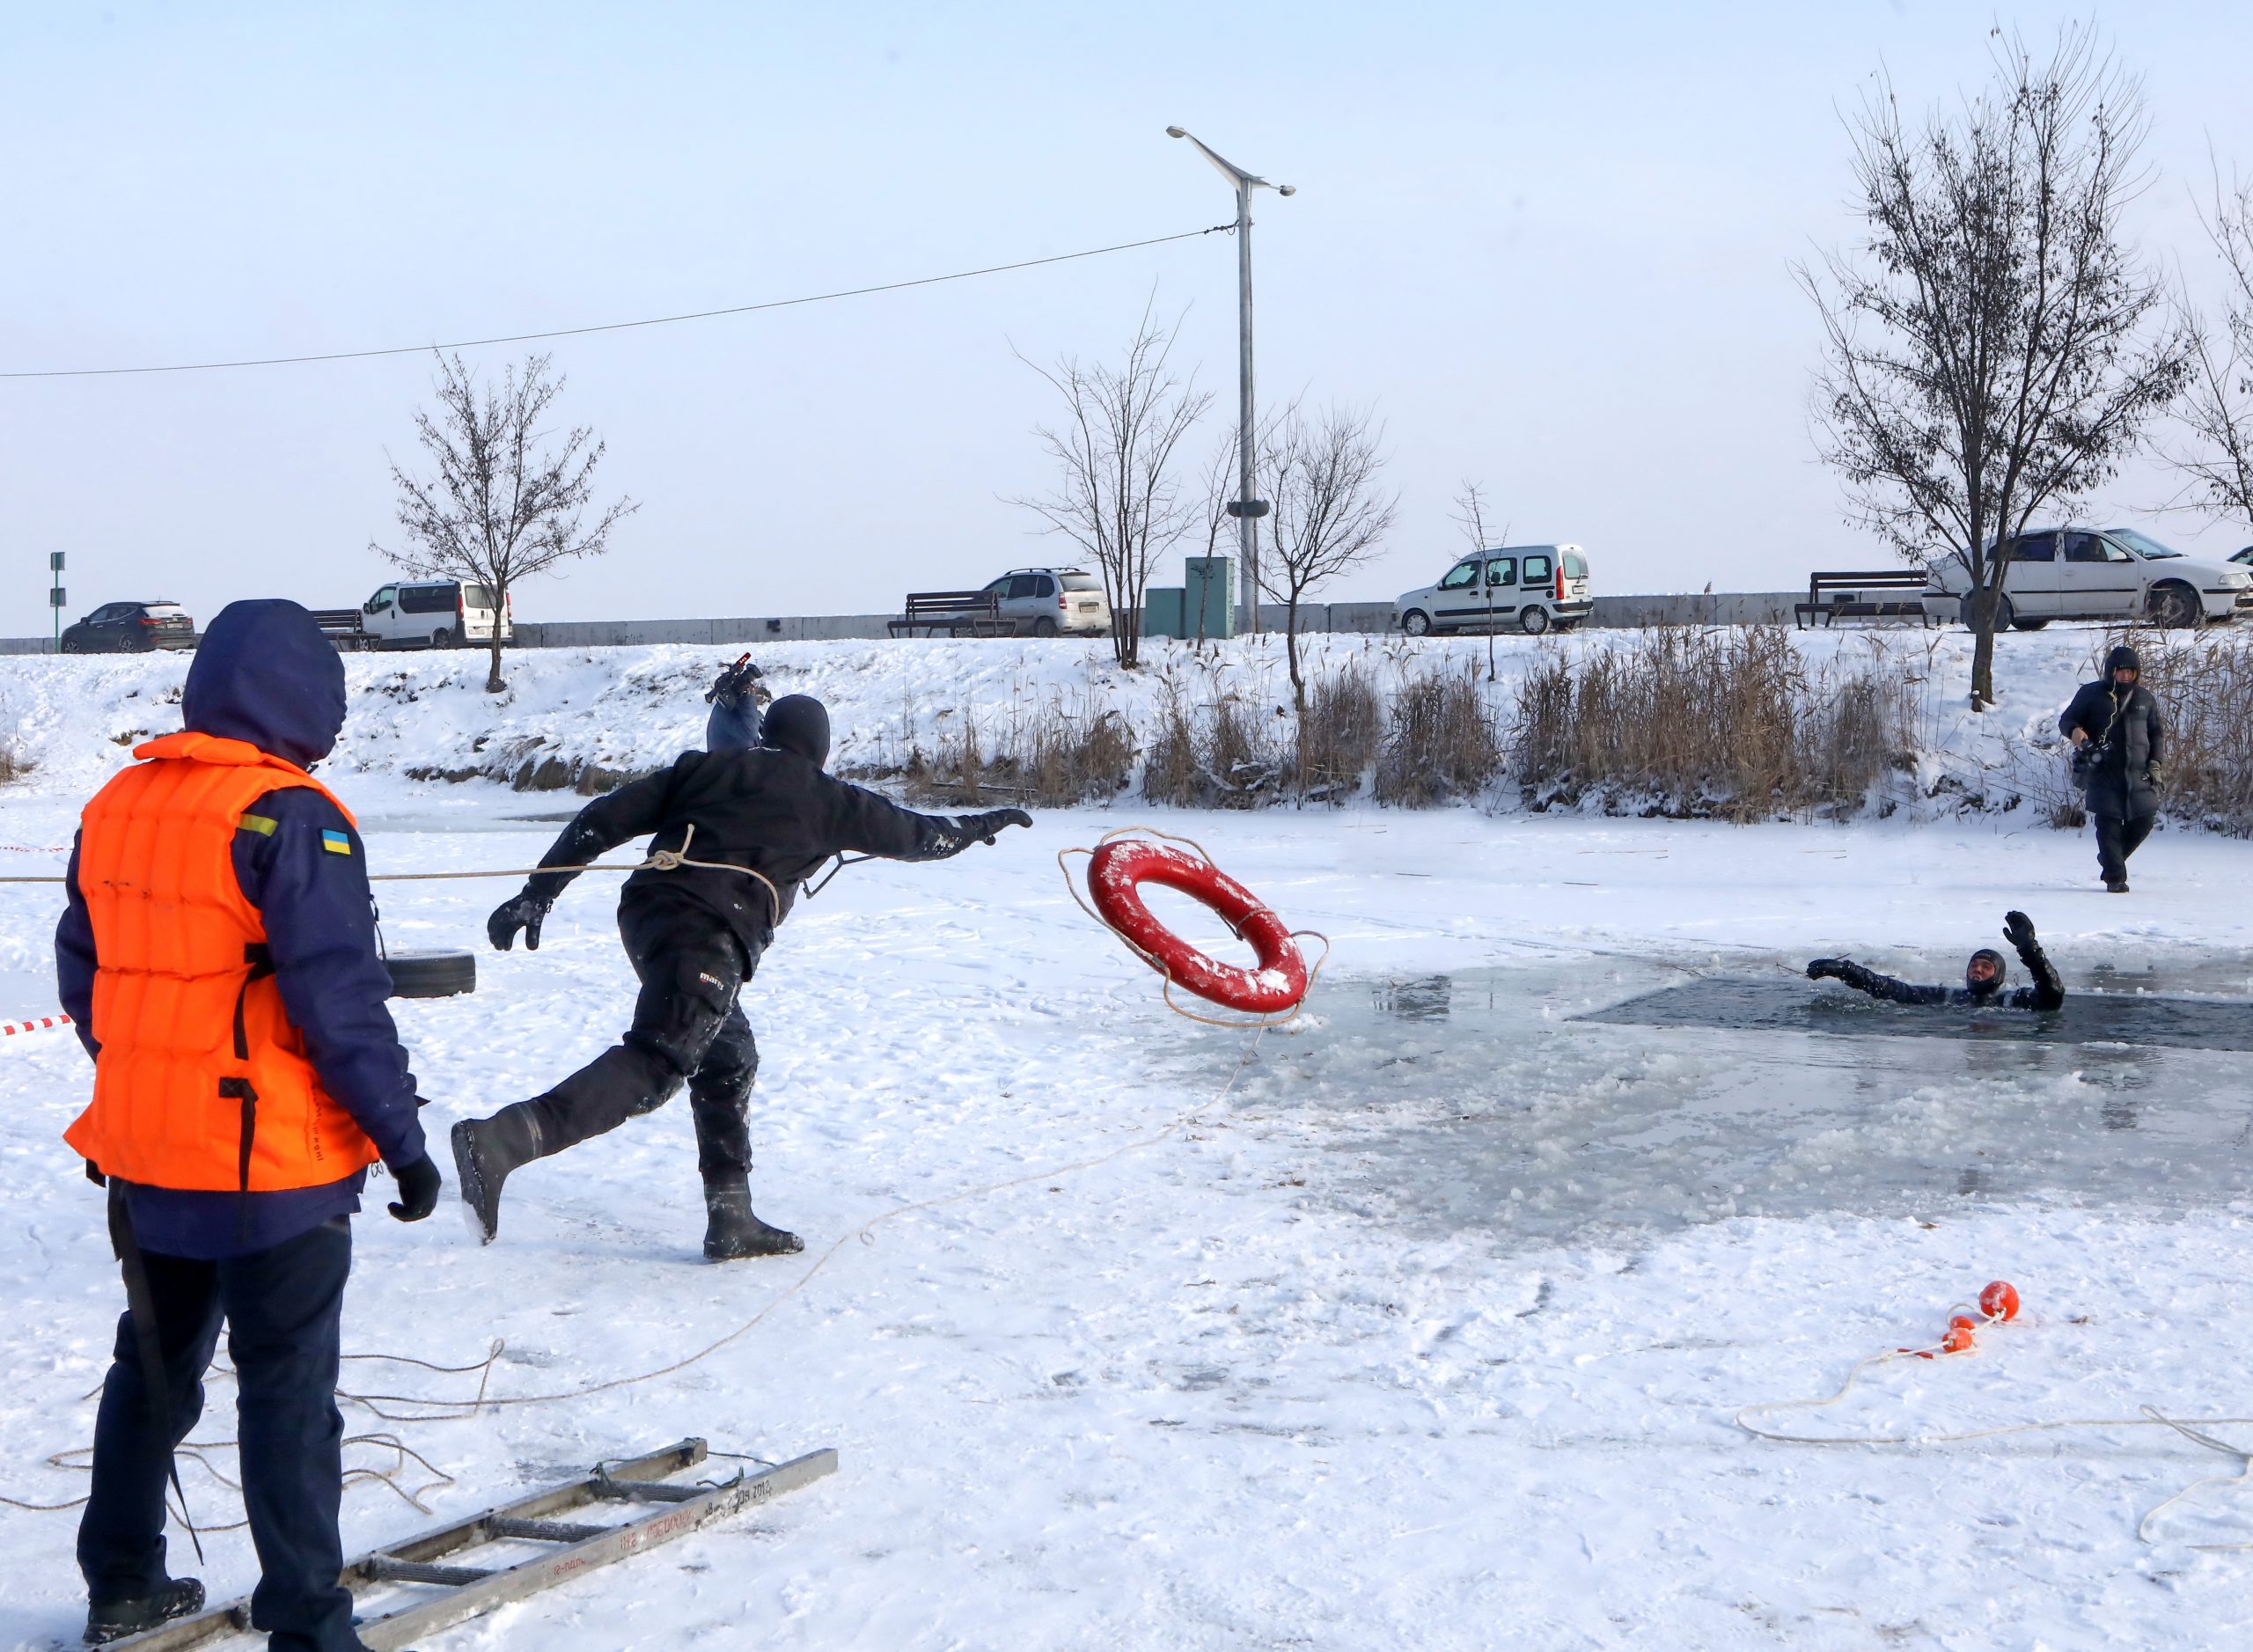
<point x="753" y="823"/>
<point x="1984" y="977"/>
<point x="2119" y="741"/>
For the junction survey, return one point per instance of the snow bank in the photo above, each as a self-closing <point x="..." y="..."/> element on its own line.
<point x="591" y="716"/>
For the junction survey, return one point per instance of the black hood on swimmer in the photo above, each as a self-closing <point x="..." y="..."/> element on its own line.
<point x="1993" y="983"/>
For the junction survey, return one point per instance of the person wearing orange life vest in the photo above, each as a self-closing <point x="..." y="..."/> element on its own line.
<point x="218" y="955"/>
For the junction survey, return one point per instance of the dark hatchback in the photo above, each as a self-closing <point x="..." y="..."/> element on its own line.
<point x="130" y="627"/>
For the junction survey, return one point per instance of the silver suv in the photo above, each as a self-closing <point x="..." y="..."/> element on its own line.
<point x="1047" y="601"/>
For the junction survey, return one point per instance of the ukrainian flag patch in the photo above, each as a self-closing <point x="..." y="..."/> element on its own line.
<point x="336" y="842"/>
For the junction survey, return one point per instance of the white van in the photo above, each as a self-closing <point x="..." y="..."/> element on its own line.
<point x="1524" y="588"/>
<point x="433" y="614"/>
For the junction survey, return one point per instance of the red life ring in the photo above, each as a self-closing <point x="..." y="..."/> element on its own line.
<point x="1114" y="877"/>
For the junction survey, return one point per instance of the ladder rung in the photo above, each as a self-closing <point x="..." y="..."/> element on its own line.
<point x="542" y="1530"/>
<point x="647" y="1491"/>
<point x="383" y="1569"/>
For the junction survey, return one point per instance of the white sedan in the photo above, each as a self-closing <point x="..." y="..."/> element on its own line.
<point x="2104" y="574"/>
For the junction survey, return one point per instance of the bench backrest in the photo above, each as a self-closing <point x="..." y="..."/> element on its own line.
<point x="953" y="602"/>
<point x="1886" y="579"/>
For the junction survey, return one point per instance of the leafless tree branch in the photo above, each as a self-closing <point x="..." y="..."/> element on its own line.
<point x="504" y="503"/>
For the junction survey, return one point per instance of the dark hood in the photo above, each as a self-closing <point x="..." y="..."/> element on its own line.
<point x="2122" y="658"/>
<point x="800" y="723"/>
<point x="265" y="674"/>
<point x="1988" y="989"/>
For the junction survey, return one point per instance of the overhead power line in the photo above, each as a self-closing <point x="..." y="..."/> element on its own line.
<point x="608" y="327"/>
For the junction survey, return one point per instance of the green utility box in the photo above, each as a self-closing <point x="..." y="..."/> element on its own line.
<point x="1161" y="610"/>
<point x="1208" y="594"/>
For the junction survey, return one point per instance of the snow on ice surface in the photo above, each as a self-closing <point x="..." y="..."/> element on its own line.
<point x="1293" y="1375"/>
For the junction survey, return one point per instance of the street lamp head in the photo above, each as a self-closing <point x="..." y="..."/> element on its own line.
<point x="1175" y="131"/>
<point x="1287" y="190"/>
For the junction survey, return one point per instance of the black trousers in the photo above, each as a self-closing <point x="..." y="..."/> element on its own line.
<point x="2116" y="839"/>
<point x="281" y="1307"/>
<point x="687" y="1028"/>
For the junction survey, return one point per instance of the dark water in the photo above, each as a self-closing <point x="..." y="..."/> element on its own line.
<point x="1598" y="1100"/>
<point x="2138" y="1020"/>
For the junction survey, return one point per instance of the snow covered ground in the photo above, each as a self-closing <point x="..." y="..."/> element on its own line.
<point x="629" y="710"/>
<point x="1421" y="1329"/>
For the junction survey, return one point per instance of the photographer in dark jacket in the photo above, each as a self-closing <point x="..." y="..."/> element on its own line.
<point x="1984" y="976"/>
<point x="217" y="954"/>
<point x="2119" y="744"/>
<point x="748" y="826"/>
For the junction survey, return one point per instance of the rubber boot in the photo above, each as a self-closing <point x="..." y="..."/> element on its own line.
<point x="115" y="1619"/>
<point x="732" y="1233"/>
<point x="486" y="1150"/>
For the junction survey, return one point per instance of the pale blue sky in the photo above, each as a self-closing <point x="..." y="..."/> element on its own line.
<point x="1551" y="246"/>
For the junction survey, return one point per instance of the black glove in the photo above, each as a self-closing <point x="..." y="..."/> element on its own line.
<point x="419" y="1183"/>
<point x="525" y="912"/>
<point x="737" y="683"/>
<point x="1826" y="968"/>
<point x="986" y="826"/>
<point x="2018" y="929"/>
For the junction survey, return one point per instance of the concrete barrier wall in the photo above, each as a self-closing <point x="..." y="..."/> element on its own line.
<point x="1719" y="608"/>
<point x="760" y="629"/>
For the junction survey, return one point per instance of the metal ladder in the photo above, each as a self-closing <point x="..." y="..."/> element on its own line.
<point x="578" y="1547"/>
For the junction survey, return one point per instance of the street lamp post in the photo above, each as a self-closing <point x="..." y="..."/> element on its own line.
<point x="1245" y="507"/>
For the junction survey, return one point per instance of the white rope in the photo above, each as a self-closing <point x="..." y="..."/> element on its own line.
<point x="2150" y="1418"/>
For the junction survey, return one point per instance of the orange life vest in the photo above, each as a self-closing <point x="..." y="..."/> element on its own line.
<point x="202" y="1081"/>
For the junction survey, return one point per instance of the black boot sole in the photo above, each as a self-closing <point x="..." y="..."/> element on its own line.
<point x="480" y="1194"/>
<point x="144" y="1615"/>
<point x="766" y="1242"/>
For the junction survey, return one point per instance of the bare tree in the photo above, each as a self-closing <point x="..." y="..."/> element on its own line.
<point x="1996" y="346"/>
<point x="1329" y="516"/>
<point x="1470" y="517"/>
<point x="2217" y="413"/>
<point x="1118" y="499"/>
<point x="505" y="503"/>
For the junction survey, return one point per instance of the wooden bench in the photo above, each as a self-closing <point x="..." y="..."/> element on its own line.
<point x="956" y="612"/>
<point x="1860" y="596"/>
<point x="342" y="627"/>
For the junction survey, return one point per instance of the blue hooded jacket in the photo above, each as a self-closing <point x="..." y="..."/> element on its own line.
<point x="264" y="674"/>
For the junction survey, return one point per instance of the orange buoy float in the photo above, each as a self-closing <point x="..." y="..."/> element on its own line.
<point x="1999" y="1300"/>
<point x="1115" y="875"/>
<point x="1959" y="1336"/>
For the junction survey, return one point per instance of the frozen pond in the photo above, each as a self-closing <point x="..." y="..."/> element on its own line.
<point x="1594" y="1100"/>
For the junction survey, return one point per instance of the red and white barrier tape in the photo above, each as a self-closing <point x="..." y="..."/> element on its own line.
<point x="9" y="1029"/>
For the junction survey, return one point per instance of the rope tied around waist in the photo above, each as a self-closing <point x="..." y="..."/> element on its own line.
<point x="673" y="860"/>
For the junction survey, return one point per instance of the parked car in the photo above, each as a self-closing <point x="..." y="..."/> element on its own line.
<point x="130" y="627"/>
<point x="433" y="614"/>
<point x="2102" y="574"/>
<point x="1522" y="587"/>
<point x="1044" y="601"/>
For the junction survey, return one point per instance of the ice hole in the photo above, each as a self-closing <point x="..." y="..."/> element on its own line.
<point x="1598" y="1100"/>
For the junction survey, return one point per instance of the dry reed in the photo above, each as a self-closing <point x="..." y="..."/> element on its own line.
<point x="1727" y="724"/>
<point x="1440" y="743"/>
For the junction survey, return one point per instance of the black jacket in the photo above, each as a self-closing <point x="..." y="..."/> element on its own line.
<point x="2125" y="729"/>
<point x="2047" y="992"/>
<point x="774" y="811"/>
